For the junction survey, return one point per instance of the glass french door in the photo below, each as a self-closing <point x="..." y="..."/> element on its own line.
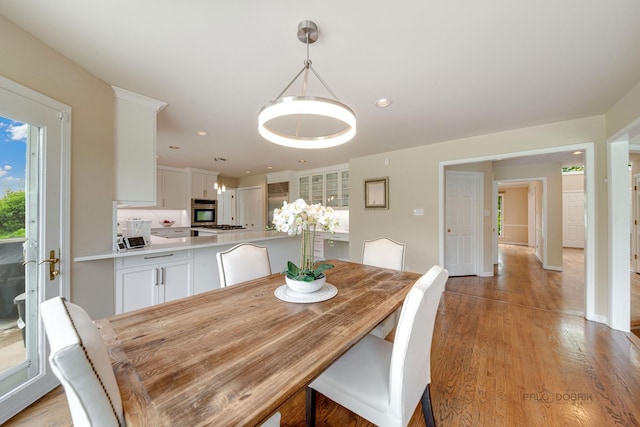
<point x="33" y="237"/>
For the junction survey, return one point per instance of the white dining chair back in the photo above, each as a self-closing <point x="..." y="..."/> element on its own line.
<point x="383" y="381"/>
<point x="243" y="262"/>
<point x="79" y="359"/>
<point x="383" y="252"/>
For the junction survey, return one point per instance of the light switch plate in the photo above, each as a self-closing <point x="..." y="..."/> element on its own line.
<point x="418" y="212"/>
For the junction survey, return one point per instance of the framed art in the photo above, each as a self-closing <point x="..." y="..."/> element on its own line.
<point x="376" y="193"/>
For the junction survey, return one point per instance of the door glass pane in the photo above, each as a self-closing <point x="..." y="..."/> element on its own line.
<point x="18" y="223"/>
<point x="331" y="184"/>
<point x="317" y="188"/>
<point x="345" y="188"/>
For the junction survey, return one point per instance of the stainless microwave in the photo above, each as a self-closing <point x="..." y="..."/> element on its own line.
<point x="203" y="212"/>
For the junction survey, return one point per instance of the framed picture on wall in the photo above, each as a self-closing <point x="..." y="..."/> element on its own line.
<point x="376" y="193"/>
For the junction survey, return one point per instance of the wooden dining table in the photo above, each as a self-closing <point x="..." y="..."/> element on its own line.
<point x="233" y="356"/>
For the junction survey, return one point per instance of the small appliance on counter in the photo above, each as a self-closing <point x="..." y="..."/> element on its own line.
<point x="137" y="228"/>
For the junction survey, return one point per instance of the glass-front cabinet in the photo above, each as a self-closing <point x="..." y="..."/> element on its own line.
<point x="329" y="186"/>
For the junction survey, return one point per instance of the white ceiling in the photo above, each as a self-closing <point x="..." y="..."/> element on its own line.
<point x="453" y="68"/>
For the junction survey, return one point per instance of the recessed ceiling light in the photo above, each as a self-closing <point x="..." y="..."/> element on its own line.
<point x="247" y="171"/>
<point x="577" y="152"/>
<point x="202" y="133"/>
<point x="383" y="102"/>
<point x="269" y="167"/>
<point x="174" y="147"/>
<point x="302" y="161"/>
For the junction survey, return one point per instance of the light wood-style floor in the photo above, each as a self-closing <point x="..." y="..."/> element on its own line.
<point x="509" y="350"/>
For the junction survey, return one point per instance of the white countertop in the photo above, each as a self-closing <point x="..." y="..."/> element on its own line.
<point x="161" y="244"/>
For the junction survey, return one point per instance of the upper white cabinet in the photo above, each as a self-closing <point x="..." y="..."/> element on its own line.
<point x="171" y="188"/>
<point x="202" y="184"/>
<point x="135" y="147"/>
<point x="329" y="186"/>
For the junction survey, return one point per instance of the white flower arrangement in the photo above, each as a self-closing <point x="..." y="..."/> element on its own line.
<point x="300" y="218"/>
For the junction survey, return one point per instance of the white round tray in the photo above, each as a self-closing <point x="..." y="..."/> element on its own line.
<point x="326" y="292"/>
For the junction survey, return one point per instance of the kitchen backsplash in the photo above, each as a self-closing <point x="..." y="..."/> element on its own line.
<point x="156" y="216"/>
<point x="343" y="216"/>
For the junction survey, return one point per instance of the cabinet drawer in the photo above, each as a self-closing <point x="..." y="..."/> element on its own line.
<point x="152" y="259"/>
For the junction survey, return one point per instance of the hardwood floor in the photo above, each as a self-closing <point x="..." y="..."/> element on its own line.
<point x="509" y="350"/>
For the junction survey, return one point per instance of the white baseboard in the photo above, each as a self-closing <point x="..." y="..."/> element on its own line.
<point x="553" y="268"/>
<point x="599" y="318"/>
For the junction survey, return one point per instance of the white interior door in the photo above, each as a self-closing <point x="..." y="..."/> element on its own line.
<point x="461" y="223"/>
<point x="249" y="205"/>
<point x="35" y="132"/>
<point x="573" y="219"/>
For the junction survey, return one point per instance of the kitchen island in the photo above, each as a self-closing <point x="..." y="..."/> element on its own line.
<point x="169" y="269"/>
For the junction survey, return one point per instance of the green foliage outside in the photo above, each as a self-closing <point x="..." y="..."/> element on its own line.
<point x="12" y="211"/>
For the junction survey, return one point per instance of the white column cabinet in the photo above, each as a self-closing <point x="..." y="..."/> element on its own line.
<point x="135" y="147"/>
<point x="146" y="280"/>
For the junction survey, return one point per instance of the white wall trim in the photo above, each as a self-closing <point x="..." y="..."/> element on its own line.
<point x="619" y="232"/>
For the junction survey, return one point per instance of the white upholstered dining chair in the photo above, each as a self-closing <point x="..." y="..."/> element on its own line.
<point x="383" y="381"/>
<point x="385" y="253"/>
<point x="243" y="262"/>
<point x="79" y="359"/>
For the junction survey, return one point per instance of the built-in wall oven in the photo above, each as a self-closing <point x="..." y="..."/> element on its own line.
<point x="203" y="212"/>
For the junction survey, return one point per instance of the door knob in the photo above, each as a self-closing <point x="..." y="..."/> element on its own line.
<point x="53" y="260"/>
<point x="448" y="230"/>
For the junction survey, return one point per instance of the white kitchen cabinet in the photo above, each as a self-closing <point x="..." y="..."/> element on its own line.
<point x="135" y="147"/>
<point x="202" y="185"/>
<point x="326" y="186"/>
<point x="146" y="280"/>
<point x="171" y="188"/>
<point x="226" y="209"/>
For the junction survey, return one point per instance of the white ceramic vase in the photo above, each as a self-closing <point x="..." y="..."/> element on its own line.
<point x="305" y="287"/>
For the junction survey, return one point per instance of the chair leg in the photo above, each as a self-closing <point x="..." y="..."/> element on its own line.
<point x="427" y="409"/>
<point x="310" y="407"/>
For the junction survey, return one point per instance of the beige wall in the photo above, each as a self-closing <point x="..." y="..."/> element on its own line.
<point x="624" y="112"/>
<point x="515" y="215"/>
<point x="31" y="63"/>
<point x="414" y="183"/>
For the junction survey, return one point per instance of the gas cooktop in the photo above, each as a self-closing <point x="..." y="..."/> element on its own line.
<point x="221" y="227"/>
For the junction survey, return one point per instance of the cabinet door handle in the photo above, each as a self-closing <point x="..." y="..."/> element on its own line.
<point x="155" y="279"/>
<point x="162" y="272"/>
<point x="158" y="256"/>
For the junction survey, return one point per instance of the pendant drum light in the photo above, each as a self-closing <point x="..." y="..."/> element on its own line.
<point x="307" y="121"/>
<point x="220" y="185"/>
